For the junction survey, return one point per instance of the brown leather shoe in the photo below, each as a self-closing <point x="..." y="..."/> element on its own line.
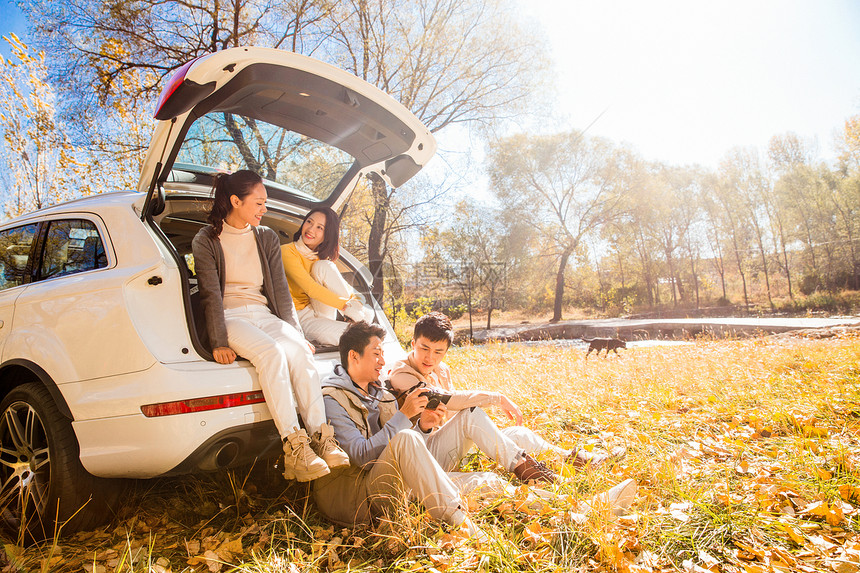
<point x="530" y="469"/>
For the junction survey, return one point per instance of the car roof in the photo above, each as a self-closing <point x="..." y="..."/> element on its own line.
<point x="88" y="203"/>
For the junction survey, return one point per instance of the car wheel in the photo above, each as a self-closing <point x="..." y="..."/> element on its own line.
<point x="44" y="489"/>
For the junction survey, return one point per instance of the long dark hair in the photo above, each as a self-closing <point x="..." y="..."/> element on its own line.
<point x="329" y="249"/>
<point x="226" y="185"/>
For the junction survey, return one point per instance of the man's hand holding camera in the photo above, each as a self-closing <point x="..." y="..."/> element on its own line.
<point x="414" y="402"/>
<point x="432" y="417"/>
<point x="428" y="405"/>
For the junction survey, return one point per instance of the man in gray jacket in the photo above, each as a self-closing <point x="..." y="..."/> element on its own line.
<point x="390" y="458"/>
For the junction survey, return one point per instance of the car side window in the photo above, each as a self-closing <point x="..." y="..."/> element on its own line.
<point x="15" y="254"/>
<point x="72" y="246"/>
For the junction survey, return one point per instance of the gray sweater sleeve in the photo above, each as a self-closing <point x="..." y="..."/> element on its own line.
<point x="209" y="284"/>
<point x="278" y="291"/>
<point x="361" y="450"/>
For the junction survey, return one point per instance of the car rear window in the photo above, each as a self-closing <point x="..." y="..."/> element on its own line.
<point x="224" y="141"/>
<point x="72" y="246"/>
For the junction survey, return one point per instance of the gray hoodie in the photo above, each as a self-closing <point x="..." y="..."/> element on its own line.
<point x="362" y="445"/>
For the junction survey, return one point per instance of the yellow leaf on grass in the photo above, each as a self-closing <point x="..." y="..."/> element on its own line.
<point x="230" y="548"/>
<point x="835" y="516"/>
<point x="536" y="535"/>
<point x="815" y="432"/>
<point x="849" y="492"/>
<point x="845" y="567"/>
<point x="708" y="560"/>
<point x="193" y="547"/>
<point x="212" y="561"/>
<point x="831" y="512"/>
<point x="816" y="508"/>
<point x="824" y="474"/>
<point x="821" y="543"/>
<point x="792" y="532"/>
<point x="759" y="553"/>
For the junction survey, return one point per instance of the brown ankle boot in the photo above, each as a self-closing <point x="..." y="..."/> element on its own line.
<point x="531" y="469"/>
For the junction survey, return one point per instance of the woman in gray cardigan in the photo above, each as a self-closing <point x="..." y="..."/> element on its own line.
<point x="249" y="313"/>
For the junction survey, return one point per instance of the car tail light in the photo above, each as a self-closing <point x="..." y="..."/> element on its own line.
<point x="180" y="94"/>
<point x="202" y="404"/>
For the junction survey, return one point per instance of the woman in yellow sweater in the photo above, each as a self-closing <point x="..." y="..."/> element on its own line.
<point x="317" y="287"/>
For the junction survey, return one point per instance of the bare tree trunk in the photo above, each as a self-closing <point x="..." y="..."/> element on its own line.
<point x="646" y="265"/>
<point x="675" y="286"/>
<point x="375" y="250"/>
<point x="741" y="272"/>
<point x="490" y="309"/>
<point x="695" y="279"/>
<point x="469" y="276"/>
<point x="787" y="271"/>
<point x="766" y="273"/>
<point x="559" y="285"/>
<point x="721" y="269"/>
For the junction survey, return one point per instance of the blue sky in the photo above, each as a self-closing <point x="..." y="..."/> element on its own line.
<point x="11" y="20"/>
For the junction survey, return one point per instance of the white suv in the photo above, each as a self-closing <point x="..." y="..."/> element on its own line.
<point x="105" y="369"/>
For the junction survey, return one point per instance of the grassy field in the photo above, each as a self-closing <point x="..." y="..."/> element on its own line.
<point x="746" y="454"/>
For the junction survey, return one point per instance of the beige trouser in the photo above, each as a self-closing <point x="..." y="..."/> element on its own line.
<point x="532" y="443"/>
<point x="412" y="467"/>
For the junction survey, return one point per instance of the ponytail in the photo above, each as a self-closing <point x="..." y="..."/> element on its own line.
<point x="226" y="185"/>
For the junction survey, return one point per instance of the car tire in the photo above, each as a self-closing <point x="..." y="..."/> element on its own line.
<point x="44" y="489"/>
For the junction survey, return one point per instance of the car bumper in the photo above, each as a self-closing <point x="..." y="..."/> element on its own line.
<point x="117" y="440"/>
<point x="141" y="447"/>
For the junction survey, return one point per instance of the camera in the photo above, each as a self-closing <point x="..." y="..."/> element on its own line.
<point x="435" y="398"/>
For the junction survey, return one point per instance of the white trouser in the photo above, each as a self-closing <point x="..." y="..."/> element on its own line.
<point x="284" y="364"/>
<point x="532" y="443"/>
<point x="472" y="427"/>
<point x="407" y="470"/>
<point x="412" y="468"/>
<point x="319" y="320"/>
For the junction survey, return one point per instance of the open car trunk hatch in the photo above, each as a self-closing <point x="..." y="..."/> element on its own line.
<point x="309" y="129"/>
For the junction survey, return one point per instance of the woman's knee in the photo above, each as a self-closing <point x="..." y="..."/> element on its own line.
<point x="322" y="270"/>
<point x="272" y="355"/>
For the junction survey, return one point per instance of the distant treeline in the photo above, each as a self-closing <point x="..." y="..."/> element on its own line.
<point x="584" y="223"/>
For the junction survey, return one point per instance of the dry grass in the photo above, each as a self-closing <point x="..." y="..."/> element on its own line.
<point x="747" y="454"/>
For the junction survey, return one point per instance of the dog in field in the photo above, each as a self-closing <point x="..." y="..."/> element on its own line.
<point x="606" y="344"/>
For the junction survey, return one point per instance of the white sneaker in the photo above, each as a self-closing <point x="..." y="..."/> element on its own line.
<point x="326" y="447"/>
<point x="300" y="461"/>
<point x="616" y="500"/>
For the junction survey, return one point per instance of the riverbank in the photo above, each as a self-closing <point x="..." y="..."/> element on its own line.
<point x="656" y="329"/>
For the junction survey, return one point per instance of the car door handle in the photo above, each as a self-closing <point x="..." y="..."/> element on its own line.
<point x="2" y="323"/>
